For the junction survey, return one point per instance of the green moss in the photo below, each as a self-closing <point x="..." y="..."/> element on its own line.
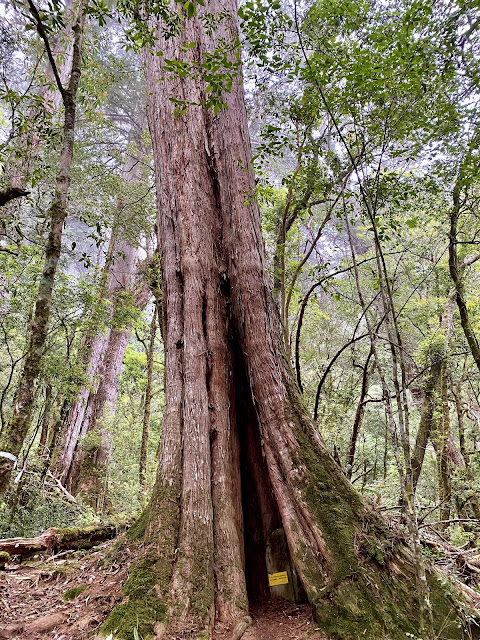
<point x="143" y="608"/>
<point x="85" y="537"/>
<point x="203" y="595"/>
<point x="4" y="558"/>
<point x="138" y="528"/>
<point x="135" y="615"/>
<point x="71" y="594"/>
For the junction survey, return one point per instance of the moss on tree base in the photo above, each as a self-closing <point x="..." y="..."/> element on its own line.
<point x="143" y="609"/>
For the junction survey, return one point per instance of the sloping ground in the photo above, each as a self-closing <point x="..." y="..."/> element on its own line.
<point x="65" y="597"/>
<point x="69" y="596"/>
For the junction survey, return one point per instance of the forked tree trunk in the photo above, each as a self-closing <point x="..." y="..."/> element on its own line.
<point x="435" y="395"/>
<point x="241" y="463"/>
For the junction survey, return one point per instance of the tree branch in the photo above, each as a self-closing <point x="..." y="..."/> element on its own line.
<point x="11" y="193"/>
<point x="43" y="35"/>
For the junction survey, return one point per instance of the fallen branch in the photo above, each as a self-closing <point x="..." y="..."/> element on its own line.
<point x="452" y="521"/>
<point x="53" y="540"/>
<point x="61" y="487"/>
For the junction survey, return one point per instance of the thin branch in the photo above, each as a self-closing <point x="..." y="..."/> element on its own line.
<point x="43" y="35"/>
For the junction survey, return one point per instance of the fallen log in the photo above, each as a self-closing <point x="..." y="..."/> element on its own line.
<point x="53" y="540"/>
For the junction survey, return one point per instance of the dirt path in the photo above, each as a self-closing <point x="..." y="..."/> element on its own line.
<point x="68" y="597"/>
<point x="279" y="620"/>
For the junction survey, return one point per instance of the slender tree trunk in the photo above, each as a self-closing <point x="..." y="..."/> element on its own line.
<point x="457" y="393"/>
<point x="21" y="162"/>
<point x="442" y="438"/>
<point x="45" y="421"/>
<point x="241" y="464"/>
<point x="16" y="432"/>
<point x="456" y="272"/>
<point x="147" y="406"/>
<point x="359" y="413"/>
<point x="426" y="425"/>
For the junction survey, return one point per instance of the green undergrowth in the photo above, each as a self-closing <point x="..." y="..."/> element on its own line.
<point x="36" y="510"/>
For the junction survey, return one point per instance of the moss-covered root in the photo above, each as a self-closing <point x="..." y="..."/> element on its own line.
<point x="370" y="591"/>
<point x="138" y="616"/>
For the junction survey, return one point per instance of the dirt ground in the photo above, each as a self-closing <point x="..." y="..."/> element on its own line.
<point x="33" y="604"/>
<point x="278" y="620"/>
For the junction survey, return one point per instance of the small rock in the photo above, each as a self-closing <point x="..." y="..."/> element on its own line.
<point x="46" y="623"/>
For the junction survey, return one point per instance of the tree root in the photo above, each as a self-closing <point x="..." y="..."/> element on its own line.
<point x="240" y="628"/>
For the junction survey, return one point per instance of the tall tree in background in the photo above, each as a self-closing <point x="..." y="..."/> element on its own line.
<point x="122" y="284"/>
<point x="14" y="435"/>
<point x="241" y="465"/>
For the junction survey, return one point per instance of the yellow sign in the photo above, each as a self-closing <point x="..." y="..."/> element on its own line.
<point x="277" y="578"/>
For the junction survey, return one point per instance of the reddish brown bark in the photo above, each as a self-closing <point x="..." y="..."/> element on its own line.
<point x="240" y="457"/>
<point x="103" y="356"/>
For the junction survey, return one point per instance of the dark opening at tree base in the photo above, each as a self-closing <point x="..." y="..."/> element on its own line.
<point x="265" y="546"/>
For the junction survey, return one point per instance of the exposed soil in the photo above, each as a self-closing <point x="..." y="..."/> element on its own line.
<point x="32" y="596"/>
<point x="280" y="620"/>
<point x="33" y="604"/>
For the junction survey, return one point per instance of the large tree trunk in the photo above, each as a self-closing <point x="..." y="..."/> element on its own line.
<point x="242" y="466"/>
<point x="86" y="469"/>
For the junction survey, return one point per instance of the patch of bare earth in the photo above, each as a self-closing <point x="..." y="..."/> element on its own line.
<point x="280" y="620"/>
<point x="32" y="602"/>
<point x="33" y="605"/>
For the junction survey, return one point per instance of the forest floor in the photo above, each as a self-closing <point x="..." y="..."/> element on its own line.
<point x="68" y="597"/>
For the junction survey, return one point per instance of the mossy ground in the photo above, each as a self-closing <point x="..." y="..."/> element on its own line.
<point x="73" y="593"/>
<point x="143" y="608"/>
